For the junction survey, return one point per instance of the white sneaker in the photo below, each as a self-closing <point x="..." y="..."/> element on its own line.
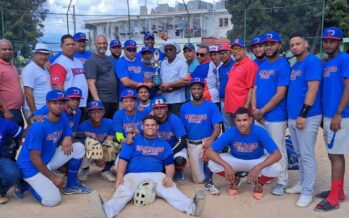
<point x="199" y="201"/>
<point x="296" y="189"/>
<point x="107" y="175"/>
<point x="304" y="201"/>
<point x="83" y="175"/>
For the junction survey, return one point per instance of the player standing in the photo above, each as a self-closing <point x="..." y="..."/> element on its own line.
<point x="335" y="99"/>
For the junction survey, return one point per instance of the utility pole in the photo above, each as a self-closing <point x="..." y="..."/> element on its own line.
<point x="186" y="8"/>
<point x="68" y="16"/>
<point x="129" y="19"/>
<point x="2" y="23"/>
<point x="74" y="19"/>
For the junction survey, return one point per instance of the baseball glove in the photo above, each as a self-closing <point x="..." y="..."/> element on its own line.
<point x="108" y="151"/>
<point x="94" y="149"/>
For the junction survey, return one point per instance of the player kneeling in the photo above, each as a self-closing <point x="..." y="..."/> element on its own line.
<point x="247" y="143"/>
<point x="97" y="130"/>
<point x="40" y="154"/>
<point x="142" y="161"/>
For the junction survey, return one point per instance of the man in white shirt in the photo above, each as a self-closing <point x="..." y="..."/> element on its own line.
<point x="68" y="71"/>
<point x="36" y="80"/>
<point x="174" y="75"/>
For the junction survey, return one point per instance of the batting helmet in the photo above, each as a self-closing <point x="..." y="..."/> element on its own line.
<point x="145" y="194"/>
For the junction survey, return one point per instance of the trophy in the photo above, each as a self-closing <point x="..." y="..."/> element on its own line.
<point x="156" y="64"/>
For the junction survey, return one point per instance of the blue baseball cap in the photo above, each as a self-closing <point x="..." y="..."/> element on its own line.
<point x="80" y="37"/>
<point x="92" y="105"/>
<point x="115" y="42"/>
<point x="332" y="33"/>
<point x="147" y="35"/>
<point x="272" y="36"/>
<point x="257" y="40"/>
<point x="197" y="80"/>
<point x="73" y="92"/>
<point x="159" y="101"/>
<point x="189" y="46"/>
<point x="147" y="48"/>
<point x="129" y="93"/>
<point x="238" y="41"/>
<point x="130" y="44"/>
<point x="55" y="95"/>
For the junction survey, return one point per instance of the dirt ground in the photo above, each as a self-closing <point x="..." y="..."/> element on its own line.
<point x="242" y="205"/>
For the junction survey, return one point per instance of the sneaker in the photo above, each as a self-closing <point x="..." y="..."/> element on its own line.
<point x="324" y="194"/>
<point x="77" y="189"/>
<point x="3" y="199"/>
<point x="209" y="186"/>
<point x="199" y="201"/>
<point x="304" y="200"/>
<point x="296" y="189"/>
<point x="234" y="186"/>
<point x="179" y="176"/>
<point x="83" y="175"/>
<point x="258" y="191"/>
<point x="279" y="190"/>
<point x="21" y="187"/>
<point x="107" y="175"/>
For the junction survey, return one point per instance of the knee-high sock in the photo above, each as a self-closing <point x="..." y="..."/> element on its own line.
<point x="73" y="168"/>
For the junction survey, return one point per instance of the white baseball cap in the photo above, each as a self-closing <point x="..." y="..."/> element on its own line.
<point x="41" y="48"/>
<point x="170" y="42"/>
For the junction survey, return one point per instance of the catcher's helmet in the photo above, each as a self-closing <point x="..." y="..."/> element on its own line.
<point x="145" y="194"/>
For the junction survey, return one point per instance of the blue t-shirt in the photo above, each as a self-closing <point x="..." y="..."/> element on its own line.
<point x="8" y="129"/>
<point x="246" y="147"/>
<point x="102" y="131"/>
<point x="146" y="155"/>
<point x="259" y="62"/>
<point x="201" y="71"/>
<point x="161" y="55"/>
<point x="44" y="137"/>
<point x="309" y="69"/>
<point x="73" y="119"/>
<point x="334" y="73"/>
<point x="149" y="107"/>
<point x="269" y="77"/>
<point x="81" y="56"/>
<point x="127" y="123"/>
<point x="171" y="130"/>
<point x="223" y="71"/>
<point x="199" y="120"/>
<point x="126" y="68"/>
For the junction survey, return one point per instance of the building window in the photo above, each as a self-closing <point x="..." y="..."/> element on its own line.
<point x="223" y="22"/>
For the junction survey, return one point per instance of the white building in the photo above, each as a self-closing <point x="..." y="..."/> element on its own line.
<point x="205" y="20"/>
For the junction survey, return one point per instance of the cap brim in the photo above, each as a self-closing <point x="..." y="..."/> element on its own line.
<point x="336" y="38"/>
<point x="95" y="108"/>
<point x="42" y="51"/>
<point x="74" y="96"/>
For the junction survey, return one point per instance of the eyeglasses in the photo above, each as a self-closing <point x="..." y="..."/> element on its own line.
<point x="131" y="49"/>
<point x="169" y="49"/>
<point x="200" y="54"/>
<point x="224" y="52"/>
<point x="98" y="111"/>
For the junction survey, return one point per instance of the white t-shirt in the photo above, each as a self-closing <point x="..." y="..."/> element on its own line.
<point x="38" y="79"/>
<point x="75" y="76"/>
<point x="170" y="72"/>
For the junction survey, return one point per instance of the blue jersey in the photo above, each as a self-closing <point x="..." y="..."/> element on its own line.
<point x="309" y="69"/>
<point x="148" y="73"/>
<point x="259" y="62"/>
<point x="201" y="71"/>
<point x="149" y="107"/>
<point x="127" y="123"/>
<point x="8" y="129"/>
<point x="146" y="155"/>
<point x="73" y="119"/>
<point x="223" y="71"/>
<point x="269" y="77"/>
<point x="171" y="130"/>
<point x="44" y="137"/>
<point x="246" y="147"/>
<point x="81" y="56"/>
<point x="102" y="132"/>
<point x="336" y="70"/>
<point x="161" y="55"/>
<point x="199" y="120"/>
<point x="130" y="69"/>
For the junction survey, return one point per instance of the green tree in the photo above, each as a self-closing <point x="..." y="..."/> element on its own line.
<point x="23" y="22"/>
<point x="287" y="17"/>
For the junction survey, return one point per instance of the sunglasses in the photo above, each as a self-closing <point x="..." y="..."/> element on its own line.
<point x="169" y="49"/>
<point x="97" y="111"/>
<point x="237" y="49"/>
<point x="131" y="49"/>
<point x="200" y="54"/>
